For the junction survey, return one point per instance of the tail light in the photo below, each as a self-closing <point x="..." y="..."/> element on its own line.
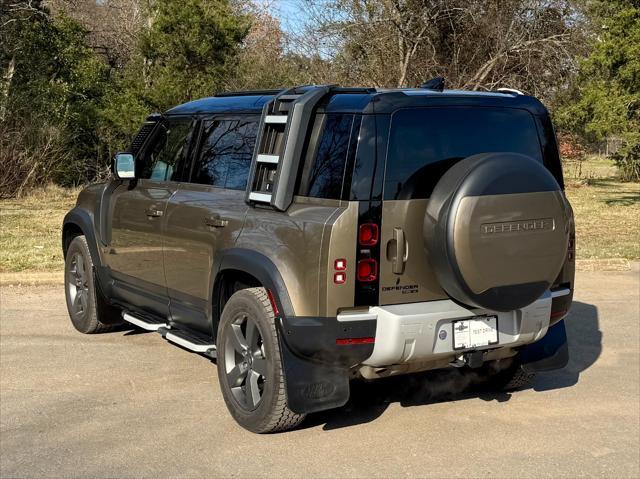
<point x="368" y="239"/>
<point x="368" y="234"/>
<point x="367" y="270"/>
<point x="558" y="314"/>
<point x="352" y="341"/>
<point x="340" y="265"/>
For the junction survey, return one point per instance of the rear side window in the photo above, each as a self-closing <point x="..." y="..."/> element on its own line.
<point x="167" y="153"/>
<point x="424" y="143"/>
<point x="324" y="177"/>
<point x="225" y="156"/>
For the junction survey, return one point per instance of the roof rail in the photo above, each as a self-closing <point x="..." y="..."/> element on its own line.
<point x="295" y="90"/>
<point x="509" y="90"/>
<point x="272" y="91"/>
<point x="353" y="89"/>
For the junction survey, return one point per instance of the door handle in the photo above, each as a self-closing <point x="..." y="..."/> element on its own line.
<point x="402" y="251"/>
<point x="215" y="222"/>
<point x="153" y="213"/>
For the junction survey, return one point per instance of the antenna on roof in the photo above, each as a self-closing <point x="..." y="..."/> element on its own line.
<point x="436" y="83"/>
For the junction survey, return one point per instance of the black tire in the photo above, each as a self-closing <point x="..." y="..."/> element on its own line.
<point x="89" y="311"/>
<point x="510" y="377"/>
<point x="249" y="359"/>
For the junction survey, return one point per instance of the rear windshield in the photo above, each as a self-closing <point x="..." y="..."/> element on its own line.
<point x="424" y="143"/>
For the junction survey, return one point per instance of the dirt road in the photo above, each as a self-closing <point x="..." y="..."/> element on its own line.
<point x="130" y="404"/>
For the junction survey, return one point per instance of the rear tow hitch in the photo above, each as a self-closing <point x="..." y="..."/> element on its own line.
<point x="473" y="359"/>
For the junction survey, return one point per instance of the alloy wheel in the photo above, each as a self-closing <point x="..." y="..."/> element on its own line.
<point x="245" y="361"/>
<point x="77" y="284"/>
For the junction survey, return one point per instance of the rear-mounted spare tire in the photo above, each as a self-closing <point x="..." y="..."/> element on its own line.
<point x="496" y="230"/>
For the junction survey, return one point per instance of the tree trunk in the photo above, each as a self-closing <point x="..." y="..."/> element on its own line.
<point x="7" y="78"/>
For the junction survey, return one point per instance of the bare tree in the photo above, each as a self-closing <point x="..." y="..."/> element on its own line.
<point x="114" y="25"/>
<point x="475" y="44"/>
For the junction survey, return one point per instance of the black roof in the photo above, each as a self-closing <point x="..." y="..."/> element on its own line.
<point x="363" y="101"/>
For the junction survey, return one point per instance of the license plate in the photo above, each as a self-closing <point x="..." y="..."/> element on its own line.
<point x="475" y="332"/>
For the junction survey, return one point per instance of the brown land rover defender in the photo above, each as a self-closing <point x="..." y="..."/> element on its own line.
<point x="309" y="236"/>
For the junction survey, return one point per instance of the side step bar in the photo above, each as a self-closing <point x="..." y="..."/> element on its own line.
<point x="186" y="339"/>
<point x="190" y="341"/>
<point x="148" y="323"/>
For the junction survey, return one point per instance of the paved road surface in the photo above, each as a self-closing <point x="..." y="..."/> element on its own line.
<point x="129" y="404"/>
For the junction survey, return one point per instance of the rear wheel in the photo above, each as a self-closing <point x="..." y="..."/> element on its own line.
<point x="88" y="309"/>
<point x="249" y="364"/>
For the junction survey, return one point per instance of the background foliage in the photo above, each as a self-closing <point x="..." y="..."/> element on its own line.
<point x="78" y="77"/>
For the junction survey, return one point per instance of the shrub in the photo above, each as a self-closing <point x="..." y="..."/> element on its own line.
<point x="627" y="159"/>
<point x="571" y="149"/>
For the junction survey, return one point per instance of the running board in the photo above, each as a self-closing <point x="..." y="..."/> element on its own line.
<point x="190" y="341"/>
<point x="148" y="323"/>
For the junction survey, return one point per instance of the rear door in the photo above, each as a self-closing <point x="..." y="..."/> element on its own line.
<point x="137" y="209"/>
<point x="206" y="215"/>
<point x="423" y="144"/>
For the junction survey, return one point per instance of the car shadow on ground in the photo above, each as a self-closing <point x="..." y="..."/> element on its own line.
<point x="369" y="399"/>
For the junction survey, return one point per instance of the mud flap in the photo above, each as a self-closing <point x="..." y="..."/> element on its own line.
<point x="312" y="386"/>
<point x="548" y="354"/>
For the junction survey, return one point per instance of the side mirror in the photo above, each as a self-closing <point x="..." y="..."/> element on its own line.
<point x="124" y="166"/>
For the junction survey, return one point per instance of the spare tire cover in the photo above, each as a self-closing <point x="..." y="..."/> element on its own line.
<point x="496" y="230"/>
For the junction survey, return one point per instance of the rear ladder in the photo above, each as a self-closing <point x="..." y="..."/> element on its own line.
<point x="279" y="143"/>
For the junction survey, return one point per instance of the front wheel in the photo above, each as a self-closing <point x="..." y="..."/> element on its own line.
<point x="250" y="366"/>
<point x="88" y="309"/>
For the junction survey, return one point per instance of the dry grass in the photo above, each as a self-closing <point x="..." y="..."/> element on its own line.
<point x="30" y="229"/>
<point x="593" y="168"/>
<point x="607" y="220"/>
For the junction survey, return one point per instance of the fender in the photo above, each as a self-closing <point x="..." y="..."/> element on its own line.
<point x="84" y="220"/>
<point x="311" y="385"/>
<point x="259" y="266"/>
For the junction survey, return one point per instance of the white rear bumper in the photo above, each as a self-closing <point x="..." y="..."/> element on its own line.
<point x="417" y="332"/>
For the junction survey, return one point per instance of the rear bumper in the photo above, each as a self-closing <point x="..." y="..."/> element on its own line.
<point x="422" y="332"/>
<point x="317" y="360"/>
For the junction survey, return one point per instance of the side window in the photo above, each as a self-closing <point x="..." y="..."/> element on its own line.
<point x="225" y="156"/>
<point x="325" y="176"/>
<point x="168" y="151"/>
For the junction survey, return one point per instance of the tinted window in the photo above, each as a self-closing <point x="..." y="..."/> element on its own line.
<point x="168" y="151"/>
<point x="326" y="174"/>
<point x="425" y="143"/>
<point x="225" y="156"/>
